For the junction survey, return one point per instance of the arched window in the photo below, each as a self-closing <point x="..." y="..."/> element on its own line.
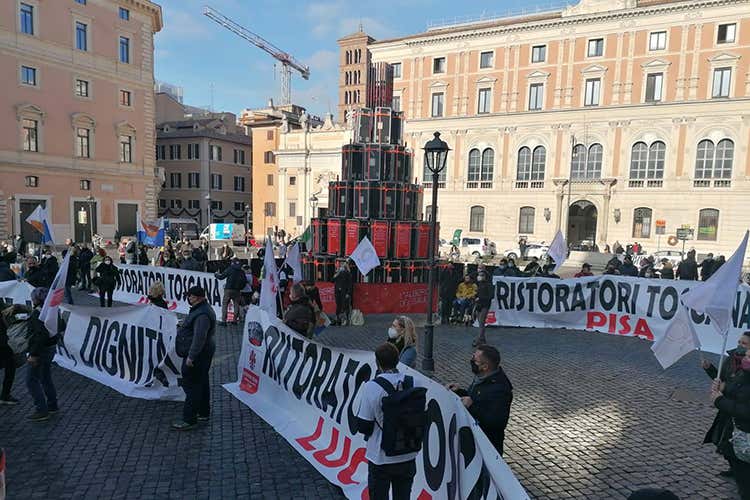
<point x="708" y="224"/>
<point x="523" y="169"/>
<point x="642" y="222"/>
<point x="578" y="162"/>
<point x="474" y="166"/>
<point x="481" y="169"/>
<point x="346" y="97"/>
<point x="714" y="163"/>
<point x="594" y="162"/>
<point x="476" y="219"/>
<point x="346" y="78"/>
<point x="586" y="164"/>
<point x="348" y="57"/>
<point x="647" y="164"/>
<point x="488" y="167"/>
<point x="526" y="220"/>
<point x="537" y="163"/>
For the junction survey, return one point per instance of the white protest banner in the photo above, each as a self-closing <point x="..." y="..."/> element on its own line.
<point x="136" y="280"/>
<point x="130" y="349"/>
<point x="15" y="292"/>
<point x="618" y="305"/>
<point x="309" y="393"/>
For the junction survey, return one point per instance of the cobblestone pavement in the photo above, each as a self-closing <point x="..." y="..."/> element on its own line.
<point x="593" y="417"/>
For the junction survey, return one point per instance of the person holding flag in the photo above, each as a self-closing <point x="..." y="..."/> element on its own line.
<point x="42" y="349"/>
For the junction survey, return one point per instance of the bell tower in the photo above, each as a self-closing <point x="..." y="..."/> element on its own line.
<point x="354" y="62"/>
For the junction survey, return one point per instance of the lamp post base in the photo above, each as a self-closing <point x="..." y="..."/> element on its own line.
<point x="428" y="362"/>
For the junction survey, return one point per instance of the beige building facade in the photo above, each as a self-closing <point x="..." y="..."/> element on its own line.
<point x="605" y="119"/>
<point x="206" y="162"/>
<point x="77" y="115"/>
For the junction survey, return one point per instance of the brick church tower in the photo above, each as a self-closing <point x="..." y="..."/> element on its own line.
<point x="354" y="61"/>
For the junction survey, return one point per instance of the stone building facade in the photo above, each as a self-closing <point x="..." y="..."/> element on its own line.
<point x="599" y="119"/>
<point x="77" y="115"/>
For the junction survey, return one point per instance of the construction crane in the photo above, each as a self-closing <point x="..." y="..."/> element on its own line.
<point x="288" y="62"/>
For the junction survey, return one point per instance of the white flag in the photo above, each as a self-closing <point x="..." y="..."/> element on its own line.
<point x="716" y="296"/>
<point x="269" y="287"/>
<point x="558" y="250"/>
<point x="679" y="339"/>
<point x="365" y="257"/>
<point x="294" y="260"/>
<point x="55" y="297"/>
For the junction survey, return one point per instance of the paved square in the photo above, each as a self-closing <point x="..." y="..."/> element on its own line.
<point x="593" y="416"/>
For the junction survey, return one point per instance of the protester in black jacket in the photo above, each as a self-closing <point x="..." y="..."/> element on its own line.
<point x="448" y="284"/>
<point x="300" y="315"/>
<point x="707" y="267"/>
<point x="84" y="267"/>
<point x="233" y="286"/>
<point x="41" y="352"/>
<point x="7" y="357"/>
<point x="108" y="277"/>
<point x="627" y="268"/>
<point x="6" y="274"/>
<point x="34" y="274"/>
<point x="733" y="398"/>
<point x="489" y="396"/>
<point x="142" y="255"/>
<point x="50" y="266"/>
<point x="199" y="328"/>
<point x="156" y="295"/>
<point x="343" y="287"/>
<point x="72" y="277"/>
<point x="484" y="300"/>
<point x="688" y="268"/>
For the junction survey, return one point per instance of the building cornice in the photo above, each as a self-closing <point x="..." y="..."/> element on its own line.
<point x="151" y="9"/>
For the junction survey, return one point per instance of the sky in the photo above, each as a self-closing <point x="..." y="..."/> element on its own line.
<point x="217" y="69"/>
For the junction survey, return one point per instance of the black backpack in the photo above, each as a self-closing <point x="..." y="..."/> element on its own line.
<point x="404" y="417"/>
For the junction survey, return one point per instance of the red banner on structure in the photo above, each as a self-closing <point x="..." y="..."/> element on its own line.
<point x="379" y="298"/>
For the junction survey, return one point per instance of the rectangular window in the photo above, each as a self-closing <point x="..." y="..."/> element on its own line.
<point x="596" y="47"/>
<point x="215" y="153"/>
<point x="217" y="205"/>
<point x="175" y="180"/>
<point x="162" y="203"/>
<point x="239" y="206"/>
<point x="396" y="70"/>
<point x="194" y="180"/>
<point x="485" y="96"/>
<point x="27" y="19"/>
<point x="593" y="91"/>
<point x="438" y="65"/>
<point x="82" y="142"/>
<point x="726" y="33"/>
<point x="175" y="152"/>
<point x="269" y="179"/>
<point x="657" y="40"/>
<point x="126" y="149"/>
<point x="239" y="184"/>
<point x="536" y="96"/>
<point x="269" y="135"/>
<point x="125" y="98"/>
<point x="28" y="75"/>
<point x="194" y="152"/>
<point x="722" y="80"/>
<point x="437" y="104"/>
<point x="82" y="88"/>
<point x="269" y="209"/>
<point x="538" y="53"/>
<point x="292" y="181"/>
<point x="526" y="220"/>
<point x="124" y="50"/>
<point x="708" y="224"/>
<point x="30" y="135"/>
<point x="216" y="181"/>
<point x="124" y="14"/>
<point x="396" y="103"/>
<point x="292" y="209"/>
<point x="161" y="152"/>
<point x="653" y="87"/>
<point x="175" y="203"/>
<point x="486" y="59"/>
<point x="194" y="204"/>
<point x="81" y="36"/>
<point x="268" y="157"/>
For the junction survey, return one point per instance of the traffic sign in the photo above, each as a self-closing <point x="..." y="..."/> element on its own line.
<point x="661" y="226"/>
<point x="684" y="233"/>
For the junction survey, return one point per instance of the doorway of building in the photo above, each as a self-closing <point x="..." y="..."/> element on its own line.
<point x="126" y="219"/>
<point x="84" y="214"/>
<point x="582" y="217"/>
<point x="26" y="207"/>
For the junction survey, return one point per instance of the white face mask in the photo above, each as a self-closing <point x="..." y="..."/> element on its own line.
<point x="392" y="333"/>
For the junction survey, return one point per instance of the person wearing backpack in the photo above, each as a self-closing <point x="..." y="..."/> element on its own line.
<point x="392" y="416"/>
<point x="489" y="396"/>
<point x="233" y="286"/>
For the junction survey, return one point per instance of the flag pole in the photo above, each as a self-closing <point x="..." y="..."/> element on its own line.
<point x="721" y="355"/>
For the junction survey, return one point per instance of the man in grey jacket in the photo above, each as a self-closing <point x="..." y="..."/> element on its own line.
<point x="200" y="323"/>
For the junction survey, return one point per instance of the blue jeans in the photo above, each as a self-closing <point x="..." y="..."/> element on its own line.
<point x="462" y="305"/>
<point x="39" y="382"/>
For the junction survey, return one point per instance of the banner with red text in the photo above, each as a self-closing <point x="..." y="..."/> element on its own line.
<point x="618" y="305"/>
<point x="309" y="393"/>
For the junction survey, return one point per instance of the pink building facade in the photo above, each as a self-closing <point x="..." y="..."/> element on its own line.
<point x="77" y="115"/>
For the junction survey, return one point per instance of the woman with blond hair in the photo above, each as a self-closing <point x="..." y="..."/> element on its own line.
<point x="156" y="295"/>
<point x="403" y="335"/>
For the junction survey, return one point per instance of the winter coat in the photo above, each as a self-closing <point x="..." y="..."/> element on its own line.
<point x="235" y="277"/>
<point x="466" y="290"/>
<point x="84" y="259"/>
<point x="707" y="268"/>
<point x="448" y="284"/>
<point x="736" y="401"/>
<point x="484" y="294"/>
<point x="190" y="264"/>
<point x="108" y="275"/>
<point x="6" y="274"/>
<point x="667" y="271"/>
<point x="300" y="316"/>
<point x="721" y="429"/>
<point x="39" y="339"/>
<point x="628" y="270"/>
<point x="72" y="276"/>
<point x="342" y="281"/>
<point x="36" y="276"/>
<point x="491" y="398"/>
<point x="158" y="302"/>
<point x="687" y="270"/>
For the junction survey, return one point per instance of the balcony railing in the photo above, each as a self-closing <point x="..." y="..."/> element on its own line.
<point x="529" y="184"/>
<point x="717" y="183"/>
<point x="651" y="183"/>
<point x="428" y="185"/>
<point x="479" y="184"/>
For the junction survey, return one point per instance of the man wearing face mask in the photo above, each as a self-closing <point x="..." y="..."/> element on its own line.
<point x="721" y="429"/>
<point x="342" y="282"/>
<point x="107" y="277"/>
<point x="733" y="399"/>
<point x="195" y="334"/>
<point x="489" y="396"/>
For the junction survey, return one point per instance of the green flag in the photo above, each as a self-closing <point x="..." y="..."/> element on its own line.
<point x="306" y="237"/>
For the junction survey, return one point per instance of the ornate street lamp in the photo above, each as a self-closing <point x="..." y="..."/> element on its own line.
<point x="435" y="156"/>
